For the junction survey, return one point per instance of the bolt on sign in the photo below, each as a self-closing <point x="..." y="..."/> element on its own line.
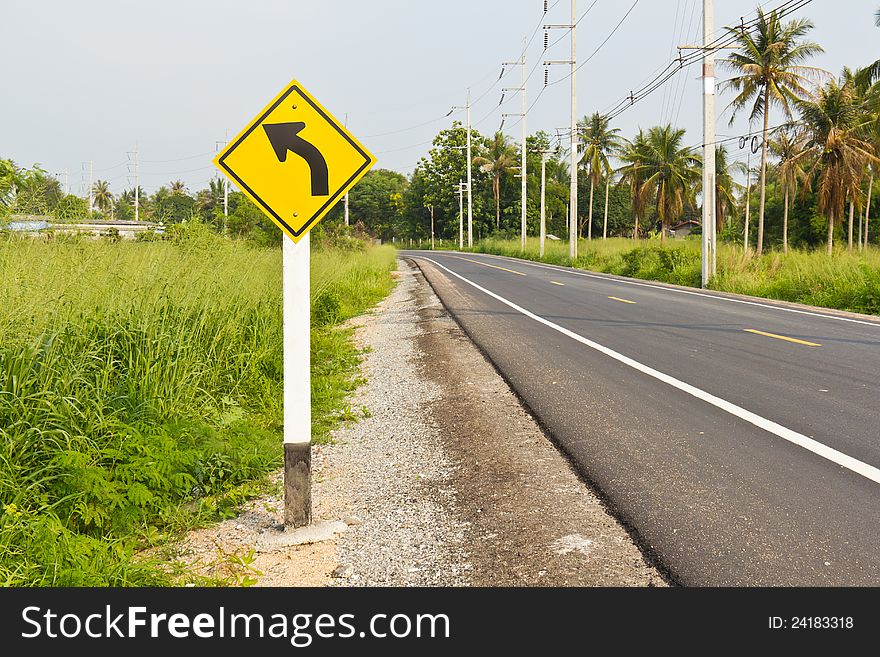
<point x="295" y="161"/>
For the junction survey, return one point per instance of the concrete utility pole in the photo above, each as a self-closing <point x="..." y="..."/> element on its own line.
<point x="219" y="145"/>
<point x="709" y="260"/>
<point x="137" y="185"/>
<point x="543" y="233"/>
<point x="750" y="143"/>
<point x="522" y="89"/>
<point x="431" y="210"/>
<point x="460" y="215"/>
<point x="66" y="186"/>
<point x="91" y="189"/>
<point x="467" y="109"/>
<point x="572" y="203"/>
<point x="708" y="265"/>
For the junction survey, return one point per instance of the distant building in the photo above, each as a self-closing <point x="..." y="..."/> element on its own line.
<point x="36" y="225"/>
<point x="685" y="228"/>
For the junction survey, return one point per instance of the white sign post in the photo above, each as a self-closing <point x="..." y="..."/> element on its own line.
<point x="297" y="383"/>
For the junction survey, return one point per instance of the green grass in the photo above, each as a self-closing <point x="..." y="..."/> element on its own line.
<point x="845" y="281"/>
<point x="141" y="392"/>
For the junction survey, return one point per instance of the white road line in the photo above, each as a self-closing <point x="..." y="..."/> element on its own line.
<point x="696" y="293"/>
<point x="814" y="446"/>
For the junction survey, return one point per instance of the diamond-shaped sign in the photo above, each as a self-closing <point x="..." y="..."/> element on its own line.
<point x="294" y="160"/>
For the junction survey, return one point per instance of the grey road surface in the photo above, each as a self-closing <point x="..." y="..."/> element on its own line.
<point x="739" y="438"/>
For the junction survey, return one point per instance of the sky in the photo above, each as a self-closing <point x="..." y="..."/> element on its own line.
<point x="92" y="80"/>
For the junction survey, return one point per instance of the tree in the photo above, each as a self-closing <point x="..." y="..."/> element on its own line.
<point x="11" y="179"/>
<point x="377" y="201"/>
<point x="71" y="208"/>
<point x="440" y="172"/>
<point x="172" y="207"/>
<point x="768" y="70"/>
<point x="790" y="171"/>
<point x="671" y="173"/>
<point x="102" y="196"/>
<point x="178" y="187"/>
<point x="600" y="142"/>
<point x="834" y="125"/>
<point x="633" y="173"/>
<point x="498" y="162"/>
<point x="209" y="202"/>
<point x="725" y="186"/>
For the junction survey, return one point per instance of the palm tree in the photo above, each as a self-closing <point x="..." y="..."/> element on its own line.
<point x="178" y="187"/>
<point x="671" y="173"/>
<point x="768" y="71"/>
<point x="632" y="173"/>
<point x="788" y="148"/>
<point x="502" y="157"/>
<point x="600" y="141"/>
<point x="834" y="129"/>
<point x="101" y="195"/>
<point x="725" y="186"/>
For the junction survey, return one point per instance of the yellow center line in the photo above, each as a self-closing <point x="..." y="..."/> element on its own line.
<point x="557" y="283"/>
<point x="782" y="337"/>
<point x="621" y="300"/>
<point x="477" y="262"/>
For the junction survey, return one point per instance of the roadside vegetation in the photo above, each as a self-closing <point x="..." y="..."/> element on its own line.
<point x="141" y="390"/>
<point x="848" y="281"/>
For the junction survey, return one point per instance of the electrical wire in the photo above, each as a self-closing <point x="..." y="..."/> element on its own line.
<point x="671" y="69"/>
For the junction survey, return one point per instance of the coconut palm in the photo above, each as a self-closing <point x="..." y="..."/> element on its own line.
<point x="102" y="197"/>
<point x="671" y="173"/>
<point x="632" y="174"/>
<point x="834" y="129"/>
<point x="768" y="70"/>
<point x="790" y="171"/>
<point x="178" y="187"/>
<point x="725" y="186"/>
<point x="502" y="157"/>
<point x="600" y="141"/>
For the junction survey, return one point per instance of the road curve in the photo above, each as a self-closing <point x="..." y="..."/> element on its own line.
<point x="739" y="438"/>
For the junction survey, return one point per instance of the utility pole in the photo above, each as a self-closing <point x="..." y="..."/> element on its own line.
<point x="467" y="109"/>
<point x="751" y="144"/>
<point x="431" y="210"/>
<point x="461" y="186"/>
<point x="218" y="145"/>
<point x="91" y="190"/>
<point x="66" y="175"/>
<point x="708" y="265"/>
<point x="137" y="185"/>
<point x="709" y="268"/>
<point x="522" y="89"/>
<point x="543" y="234"/>
<point x="572" y="203"/>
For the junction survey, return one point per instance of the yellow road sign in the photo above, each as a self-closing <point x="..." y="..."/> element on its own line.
<point x="294" y="160"/>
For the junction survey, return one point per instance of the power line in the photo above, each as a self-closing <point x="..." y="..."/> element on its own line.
<point x="672" y="68"/>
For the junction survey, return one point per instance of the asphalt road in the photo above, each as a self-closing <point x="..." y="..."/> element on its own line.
<point x="739" y="438"/>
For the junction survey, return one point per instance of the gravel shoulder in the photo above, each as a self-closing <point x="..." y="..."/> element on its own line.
<point x="445" y="481"/>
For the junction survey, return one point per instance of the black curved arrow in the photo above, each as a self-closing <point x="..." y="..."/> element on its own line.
<point x="285" y="137"/>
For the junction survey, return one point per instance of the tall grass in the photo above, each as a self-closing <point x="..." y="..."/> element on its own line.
<point x="845" y="281"/>
<point x="140" y="388"/>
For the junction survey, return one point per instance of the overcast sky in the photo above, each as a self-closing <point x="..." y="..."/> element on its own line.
<point x="87" y="80"/>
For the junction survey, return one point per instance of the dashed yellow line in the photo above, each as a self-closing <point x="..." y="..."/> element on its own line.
<point x="621" y="300"/>
<point x="557" y="283"/>
<point x="477" y="262"/>
<point x="782" y="337"/>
